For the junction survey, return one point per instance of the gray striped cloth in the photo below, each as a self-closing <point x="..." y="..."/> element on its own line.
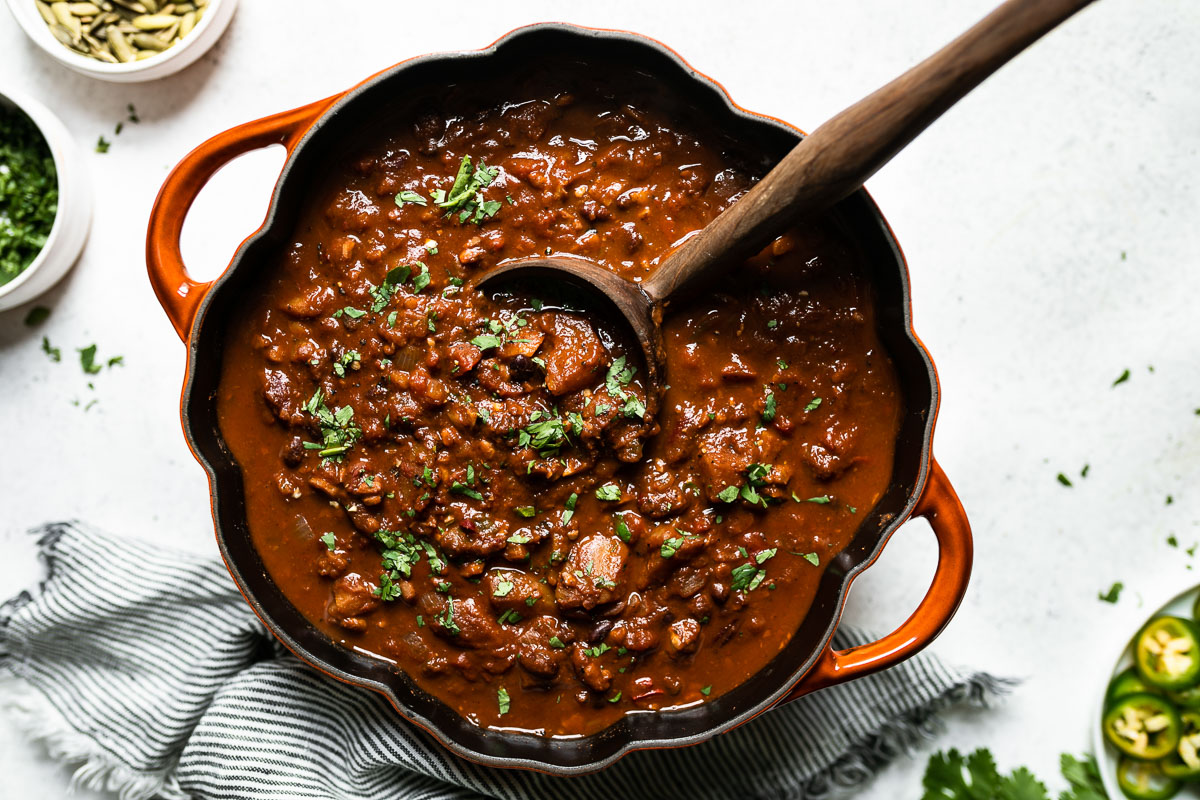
<point x="145" y="668"/>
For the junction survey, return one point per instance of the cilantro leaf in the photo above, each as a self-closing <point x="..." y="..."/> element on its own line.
<point x="408" y="196"/>
<point x="87" y="358"/>
<point x="1113" y="594"/>
<point x="951" y="776"/>
<point x="609" y="492"/>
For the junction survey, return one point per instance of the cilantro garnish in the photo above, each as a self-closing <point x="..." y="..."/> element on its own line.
<point x="618" y="377"/>
<point x="768" y="413"/>
<point x="330" y="541"/>
<point x="337" y="433"/>
<point x="528" y="512"/>
<point x="446" y="618"/>
<point x="570" y="508"/>
<point x="1113" y="594"/>
<point x="609" y="492"/>
<point x="1124" y="376"/>
<point x="465" y="196"/>
<point x="671" y="546"/>
<point x="952" y="776"/>
<point x="408" y="196"/>
<point x="503" y="700"/>
<point x="622" y="530"/>
<point x="813" y="404"/>
<point x="36" y="316"/>
<point x="54" y="353"/>
<point x="28" y="193"/>
<point x="503" y="588"/>
<point x="747" y="577"/>
<point x="394" y="279"/>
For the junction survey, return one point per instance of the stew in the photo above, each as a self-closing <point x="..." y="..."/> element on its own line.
<point x="470" y="487"/>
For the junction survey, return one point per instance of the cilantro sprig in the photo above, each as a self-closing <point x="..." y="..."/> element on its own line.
<point x="338" y="433"/>
<point x="466" y="194"/>
<point x="953" y="776"/>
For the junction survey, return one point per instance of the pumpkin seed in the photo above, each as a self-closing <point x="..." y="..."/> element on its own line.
<point x="62" y="12"/>
<point x="46" y="13"/>
<point x="63" y="35"/>
<point x="120" y="31"/>
<point x="148" y="41"/>
<point x="119" y="44"/>
<point x="168" y="36"/>
<point x="132" y="5"/>
<point x="153" y="22"/>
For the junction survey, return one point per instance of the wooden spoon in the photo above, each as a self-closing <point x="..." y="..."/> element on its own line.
<point x="823" y="168"/>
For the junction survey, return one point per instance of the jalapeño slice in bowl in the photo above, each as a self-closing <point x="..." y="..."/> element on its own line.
<point x="1167" y="653"/>
<point x="1184" y="763"/>
<point x="1140" y="780"/>
<point x="1185" y="698"/>
<point x="1125" y="684"/>
<point x="1143" y="726"/>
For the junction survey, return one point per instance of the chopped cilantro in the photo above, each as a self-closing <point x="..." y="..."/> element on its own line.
<point x="1113" y="594"/>
<point x="609" y="492"/>
<point x="768" y="413"/>
<point x="408" y="196"/>
<point x="36" y="316"/>
<point x="503" y="700"/>
<point x="1064" y="480"/>
<point x="812" y="558"/>
<point x="102" y="145"/>
<point x="503" y="588"/>
<point x="671" y="546"/>
<point x="54" y="353"/>
<point x="465" y="196"/>
<point x="528" y="512"/>
<point x="556" y="643"/>
<point x="622" y="530"/>
<point x="330" y="541"/>
<point x="1124" y="376"/>
<point x="813" y="404"/>
<point x="570" y="508"/>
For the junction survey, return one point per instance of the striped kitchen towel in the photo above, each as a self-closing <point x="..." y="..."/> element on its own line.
<point x="146" y="669"/>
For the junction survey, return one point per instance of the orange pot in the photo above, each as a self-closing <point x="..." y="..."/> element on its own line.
<point x="200" y="313"/>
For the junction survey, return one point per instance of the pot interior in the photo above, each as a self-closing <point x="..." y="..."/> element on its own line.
<point x="394" y="94"/>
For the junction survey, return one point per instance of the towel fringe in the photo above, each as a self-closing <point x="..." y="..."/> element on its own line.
<point x="95" y="769"/>
<point x="902" y="736"/>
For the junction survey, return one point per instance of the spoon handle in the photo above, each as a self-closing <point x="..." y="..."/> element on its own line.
<point x="839" y="156"/>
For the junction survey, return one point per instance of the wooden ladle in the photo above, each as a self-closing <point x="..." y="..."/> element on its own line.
<point x="823" y="168"/>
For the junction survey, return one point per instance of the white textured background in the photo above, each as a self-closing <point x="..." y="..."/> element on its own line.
<point x="1051" y="222"/>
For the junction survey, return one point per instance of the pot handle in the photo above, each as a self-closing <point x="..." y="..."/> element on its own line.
<point x="179" y="295"/>
<point x="939" y="504"/>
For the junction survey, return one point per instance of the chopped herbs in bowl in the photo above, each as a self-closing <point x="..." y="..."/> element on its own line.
<point x="28" y="192"/>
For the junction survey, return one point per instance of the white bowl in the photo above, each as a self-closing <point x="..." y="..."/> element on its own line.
<point x="168" y="62"/>
<point x="1178" y="605"/>
<point x="74" y="215"/>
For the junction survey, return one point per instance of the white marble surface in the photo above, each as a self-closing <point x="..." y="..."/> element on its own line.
<point x="1051" y="221"/>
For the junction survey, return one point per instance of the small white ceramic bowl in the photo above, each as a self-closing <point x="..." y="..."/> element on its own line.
<point x="74" y="216"/>
<point x="168" y="62"/>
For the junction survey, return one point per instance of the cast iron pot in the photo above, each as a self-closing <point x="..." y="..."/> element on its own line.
<point x="201" y="314"/>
